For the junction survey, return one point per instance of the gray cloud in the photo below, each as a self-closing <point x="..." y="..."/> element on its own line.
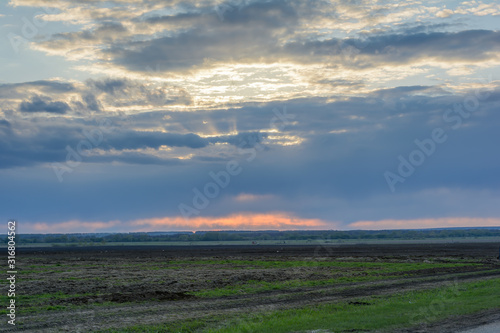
<point x="464" y="45"/>
<point x="197" y="35"/>
<point x="471" y="45"/>
<point x="11" y="90"/>
<point x="136" y="140"/>
<point x="43" y="104"/>
<point x="4" y="123"/>
<point x="134" y="158"/>
<point x="91" y="102"/>
<point x="48" y="142"/>
<point x="125" y="92"/>
<point x="190" y="49"/>
<point x="109" y="86"/>
<point x="243" y="140"/>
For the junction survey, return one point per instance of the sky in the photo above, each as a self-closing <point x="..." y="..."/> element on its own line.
<point x="128" y="116"/>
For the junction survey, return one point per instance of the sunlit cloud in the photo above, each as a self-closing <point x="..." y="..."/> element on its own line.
<point x="242" y="221"/>
<point x="73" y="226"/>
<point x="248" y="197"/>
<point x="451" y="222"/>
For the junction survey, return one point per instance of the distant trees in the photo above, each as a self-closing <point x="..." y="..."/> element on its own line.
<point x="306" y="235"/>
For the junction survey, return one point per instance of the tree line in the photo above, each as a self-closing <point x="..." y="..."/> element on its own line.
<point x="324" y="235"/>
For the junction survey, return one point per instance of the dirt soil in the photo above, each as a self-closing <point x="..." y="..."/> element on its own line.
<point x="111" y="287"/>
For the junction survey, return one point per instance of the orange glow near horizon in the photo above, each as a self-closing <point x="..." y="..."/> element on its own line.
<point x="241" y="221"/>
<point x="446" y="222"/>
<point x="248" y="221"/>
<point x="68" y="227"/>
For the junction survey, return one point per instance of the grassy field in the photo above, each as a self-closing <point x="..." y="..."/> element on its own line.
<point x="251" y="289"/>
<point x="374" y="313"/>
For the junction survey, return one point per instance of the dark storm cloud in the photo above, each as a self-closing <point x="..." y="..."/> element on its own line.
<point x="43" y="104"/>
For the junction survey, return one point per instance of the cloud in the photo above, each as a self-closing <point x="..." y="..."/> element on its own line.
<point x="469" y="45"/>
<point x="43" y="104"/>
<point x="251" y="221"/>
<point x="242" y="221"/>
<point x="472" y="45"/>
<point x="5" y="123"/>
<point x="246" y="197"/>
<point x="109" y="86"/>
<point x="135" y="140"/>
<point x="73" y="226"/>
<point x="241" y="140"/>
<point x="120" y="92"/>
<point x="451" y="222"/>
<point x="351" y="132"/>
<point x="53" y="144"/>
<point x="203" y="35"/>
<point x="52" y="140"/>
<point x="10" y="90"/>
<point x="91" y="102"/>
<point x="134" y="158"/>
<point x="94" y="95"/>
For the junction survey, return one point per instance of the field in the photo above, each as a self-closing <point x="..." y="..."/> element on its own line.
<point x="434" y="287"/>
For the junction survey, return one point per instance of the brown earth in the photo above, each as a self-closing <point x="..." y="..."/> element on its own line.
<point x="112" y="287"/>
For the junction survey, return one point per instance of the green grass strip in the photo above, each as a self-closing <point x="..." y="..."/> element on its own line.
<point x="362" y="314"/>
<point x="369" y="274"/>
<point x="376" y="313"/>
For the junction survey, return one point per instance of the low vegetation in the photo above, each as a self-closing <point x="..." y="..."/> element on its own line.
<point x="249" y="289"/>
<point x="255" y="236"/>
